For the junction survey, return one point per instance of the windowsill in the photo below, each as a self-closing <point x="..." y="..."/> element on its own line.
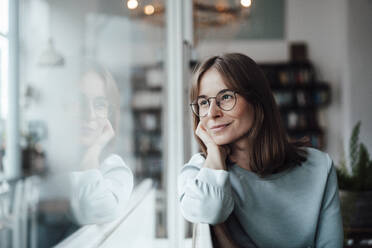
<point x="98" y="235"/>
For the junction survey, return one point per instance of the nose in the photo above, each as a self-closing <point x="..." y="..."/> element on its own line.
<point x="214" y="110"/>
<point x="88" y="111"/>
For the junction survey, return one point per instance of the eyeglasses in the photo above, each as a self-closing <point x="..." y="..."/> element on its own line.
<point x="100" y="106"/>
<point x="225" y="100"/>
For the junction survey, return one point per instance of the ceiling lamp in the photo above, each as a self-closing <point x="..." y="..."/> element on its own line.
<point x="206" y="13"/>
<point x="50" y="57"/>
<point x="149" y="9"/>
<point x="246" y="3"/>
<point x="132" y="4"/>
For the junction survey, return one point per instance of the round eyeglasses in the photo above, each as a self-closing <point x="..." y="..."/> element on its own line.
<point x="99" y="105"/>
<point x="225" y="100"/>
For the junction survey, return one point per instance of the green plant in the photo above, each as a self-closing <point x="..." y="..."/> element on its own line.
<point x="359" y="178"/>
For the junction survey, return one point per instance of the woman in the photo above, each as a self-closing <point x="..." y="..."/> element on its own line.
<point x="251" y="183"/>
<point x="101" y="187"/>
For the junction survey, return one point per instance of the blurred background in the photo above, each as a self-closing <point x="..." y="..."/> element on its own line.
<point x="70" y="68"/>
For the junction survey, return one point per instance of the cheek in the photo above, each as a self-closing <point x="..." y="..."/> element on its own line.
<point x="203" y="121"/>
<point x="244" y="118"/>
<point x="101" y="122"/>
<point x="245" y="112"/>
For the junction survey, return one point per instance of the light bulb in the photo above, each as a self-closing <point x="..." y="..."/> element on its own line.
<point x="149" y="9"/>
<point x="246" y="3"/>
<point x="132" y="4"/>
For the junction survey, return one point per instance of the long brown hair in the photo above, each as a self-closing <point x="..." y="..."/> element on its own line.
<point x="272" y="151"/>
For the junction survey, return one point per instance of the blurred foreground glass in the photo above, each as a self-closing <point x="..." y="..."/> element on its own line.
<point x="102" y="111"/>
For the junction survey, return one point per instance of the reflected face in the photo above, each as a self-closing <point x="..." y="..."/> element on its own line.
<point x="94" y="106"/>
<point x="225" y="127"/>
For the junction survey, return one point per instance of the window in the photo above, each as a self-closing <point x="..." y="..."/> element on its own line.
<point x="4" y="56"/>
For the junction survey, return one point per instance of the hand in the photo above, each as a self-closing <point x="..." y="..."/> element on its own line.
<point x="107" y="134"/>
<point x="216" y="154"/>
<point x="91" y="156"/>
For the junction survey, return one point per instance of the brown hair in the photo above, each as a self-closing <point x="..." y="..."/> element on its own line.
<point x="273" y="151"/>
<point x="111" y="90"/>
<point x="113" y="97"/>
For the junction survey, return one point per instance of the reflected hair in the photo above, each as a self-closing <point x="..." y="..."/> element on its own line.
<point x="111" y="89"/>
<point x="113" y="97"/>
<point x="273" y="151"/>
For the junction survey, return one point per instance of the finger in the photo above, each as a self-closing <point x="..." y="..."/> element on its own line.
<point x="201" y="132"/>
<point x="108" y="125"/>
<point x="204" y="135"/>
<point x="108" y="129"/>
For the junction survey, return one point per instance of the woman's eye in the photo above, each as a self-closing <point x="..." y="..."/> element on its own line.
<point x="203" y="103"/>
<point x="100" y="105"/>
<point x="226" y="97"/>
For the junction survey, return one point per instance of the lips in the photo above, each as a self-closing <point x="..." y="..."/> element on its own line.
<point x="87" y="129"/>
<point x="220" y="127"/>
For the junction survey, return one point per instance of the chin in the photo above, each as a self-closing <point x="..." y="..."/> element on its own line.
<point x="221" y="140"/>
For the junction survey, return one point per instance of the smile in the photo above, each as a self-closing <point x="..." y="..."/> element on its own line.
<point x="86" y="129"/>
<point x="219" y="128"/>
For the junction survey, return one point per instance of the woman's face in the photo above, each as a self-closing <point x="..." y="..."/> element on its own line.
<point x="225" y="127"/>
<point x="94" y="106"/>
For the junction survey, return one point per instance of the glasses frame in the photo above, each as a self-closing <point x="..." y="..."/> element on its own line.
<point x="194" y="103"/>
<point x="90" y="104"/>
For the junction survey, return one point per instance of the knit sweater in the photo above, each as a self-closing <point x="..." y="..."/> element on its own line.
<point x="298" y="207"/>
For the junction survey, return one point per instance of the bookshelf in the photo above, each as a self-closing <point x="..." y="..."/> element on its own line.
<point x="147" y="110"/>
<point x="147" y="101"/>
<point x="300" y="97"/>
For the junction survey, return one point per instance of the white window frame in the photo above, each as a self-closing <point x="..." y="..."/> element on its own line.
<point x="178" y="143"/>
<point x="9" y="92"/>
<point x="4" y="57"/>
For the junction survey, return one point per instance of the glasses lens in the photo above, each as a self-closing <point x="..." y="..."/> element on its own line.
<point x="202" y="106"/>
<point x="226" y="100"/>
<point x="195" y="108"/>
<point x="101" y="107"/>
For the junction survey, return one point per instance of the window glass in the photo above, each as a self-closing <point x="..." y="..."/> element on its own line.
<point x="4" y="74"/>
<point x="4" y="16"/>
<point x="92" y="80"/>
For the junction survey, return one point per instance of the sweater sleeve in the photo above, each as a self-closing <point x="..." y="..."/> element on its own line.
<point x="205" y="194"/>
<point x="330" y="230"/>
<point x="100" y="195"/>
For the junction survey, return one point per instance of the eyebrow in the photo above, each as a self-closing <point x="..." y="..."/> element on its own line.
<point x="221" y="91"/>
<point x="100" y="98"/>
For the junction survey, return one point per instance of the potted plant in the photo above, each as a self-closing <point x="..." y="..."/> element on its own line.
<point x="355" y="184"/>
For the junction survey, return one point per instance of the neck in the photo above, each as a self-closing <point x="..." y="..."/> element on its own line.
<point x="240" y="153"/>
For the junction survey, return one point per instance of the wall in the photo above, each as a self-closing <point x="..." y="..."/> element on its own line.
<point x="96" y="29"/>
<point x="336" y="32"/>
<point x="360" y="74"/>
<point x="338" y="39"/>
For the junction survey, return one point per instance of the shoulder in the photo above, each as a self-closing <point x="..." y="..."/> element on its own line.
<point x="319" y="162"/>
<point x="197" y="159"/>
<point x="113" y="161"/>
<point x="318" y="157"/>
<point x="194" y="164"/>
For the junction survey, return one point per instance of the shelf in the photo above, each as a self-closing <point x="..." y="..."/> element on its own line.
<point x="149" y="153"/>
<point x="309" y="86"/>
<point x="153" y="109"/>
<point x="307" y="108"/>
<point x="149" y="132"/>
<point x="294" y="131"/>
<point x="286" y="64"/>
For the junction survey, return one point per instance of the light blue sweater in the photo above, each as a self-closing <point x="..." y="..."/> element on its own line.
<point x="298" y="207"/>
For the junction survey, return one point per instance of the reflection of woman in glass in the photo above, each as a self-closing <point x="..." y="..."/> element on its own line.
<point x="101" y="188"/>
<point x="256" y="188"/>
